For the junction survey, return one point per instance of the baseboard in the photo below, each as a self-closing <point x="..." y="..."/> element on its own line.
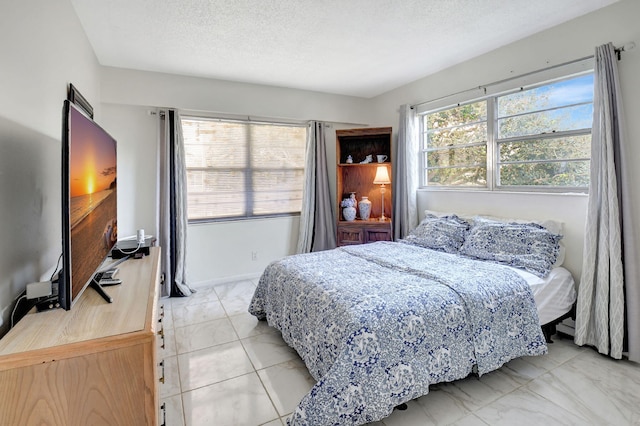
<point x="224" y="280"/>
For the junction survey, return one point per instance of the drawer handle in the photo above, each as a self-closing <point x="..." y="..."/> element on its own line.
<point x="161" y="334"/>
<point x="161" y="316"/>
<point x="163" y="407"/>
<point x="162" y="378"/>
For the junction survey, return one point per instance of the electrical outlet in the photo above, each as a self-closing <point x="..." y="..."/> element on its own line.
<point x="254" y="255"/>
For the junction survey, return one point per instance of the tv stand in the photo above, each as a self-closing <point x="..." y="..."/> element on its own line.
<point x="97" y="287"/>
<point x="96" y="364"/>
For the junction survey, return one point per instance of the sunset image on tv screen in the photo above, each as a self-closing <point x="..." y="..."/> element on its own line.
<point x="93" y="197"/>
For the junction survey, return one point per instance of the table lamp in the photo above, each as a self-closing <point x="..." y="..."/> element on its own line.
<point x="382" y="179"/>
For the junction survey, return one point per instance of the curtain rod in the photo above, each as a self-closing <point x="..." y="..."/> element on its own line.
<point x="213" y="115"/>
<point x="330" y="124"/>
<point x="617" y="50"/>
<point x="624" y="48"/>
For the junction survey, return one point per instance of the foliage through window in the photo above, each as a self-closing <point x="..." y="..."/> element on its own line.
<point x="238" y="169"/>
<point x="456" y="146"/>
<point x="538" y="137"/>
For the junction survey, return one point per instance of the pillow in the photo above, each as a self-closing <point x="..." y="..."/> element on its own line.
<point x="553" y="226"/>
<point x="446" y="233"/>
<point x="550" y="225"/>
<point x="527" y="246"/>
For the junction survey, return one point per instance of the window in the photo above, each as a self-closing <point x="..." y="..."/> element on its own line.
<point x="456" y="146"/>
<point x="533" y="138"/>
<point x="239" y="169"/>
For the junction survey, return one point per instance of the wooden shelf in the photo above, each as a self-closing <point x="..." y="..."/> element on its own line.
<point x="360" y="221"/>
<point x="358" y="178"/>
<point x="364" y="165"/>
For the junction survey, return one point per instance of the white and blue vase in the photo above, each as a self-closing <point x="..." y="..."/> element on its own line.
<point x="365" y="208"/>
<point x="349" y="213"/>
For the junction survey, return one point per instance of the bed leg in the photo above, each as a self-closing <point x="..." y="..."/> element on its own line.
<point x="401" y="407"/>
<point x="548" y="330"/>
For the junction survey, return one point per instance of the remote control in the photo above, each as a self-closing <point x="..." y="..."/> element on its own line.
<point x="110" y="281"/>
<point x="111" y="273"/>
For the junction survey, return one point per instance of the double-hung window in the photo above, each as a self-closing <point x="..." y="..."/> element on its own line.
<point x="532" y="138"/>
<point x="243" y="169"/>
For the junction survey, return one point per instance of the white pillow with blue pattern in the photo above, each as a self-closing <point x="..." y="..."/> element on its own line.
<point x="443" y="233"/>
<point x="527" y="246"/>
<point x="553" y="226"/>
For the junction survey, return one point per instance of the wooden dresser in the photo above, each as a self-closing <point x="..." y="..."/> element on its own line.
<point x="93" y="365"/>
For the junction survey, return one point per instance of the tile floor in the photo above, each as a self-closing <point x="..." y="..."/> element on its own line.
<point x="223" y="367"/>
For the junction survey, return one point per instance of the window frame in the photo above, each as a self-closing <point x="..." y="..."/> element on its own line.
<point x="424" y="152"/>
<point x="493" y="143"/>
<point x="247" y="170"/>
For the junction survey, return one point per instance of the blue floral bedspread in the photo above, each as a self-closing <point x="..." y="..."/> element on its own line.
<point x="377" y="323"/>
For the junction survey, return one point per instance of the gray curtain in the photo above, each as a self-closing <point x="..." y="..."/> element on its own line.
<point x="405" y="174"/>
<point x="610" y="282"/>
<point x="172" y="210"/>
<point x="317" y="222"/>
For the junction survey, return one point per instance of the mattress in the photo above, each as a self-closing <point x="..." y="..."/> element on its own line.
<point x="554" y="295"/>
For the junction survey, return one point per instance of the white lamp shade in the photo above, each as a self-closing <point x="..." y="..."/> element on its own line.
<point x="382" y="176"/>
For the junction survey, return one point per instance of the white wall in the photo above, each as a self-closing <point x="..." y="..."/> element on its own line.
<point x="42" y="48"/>
<point x="128" y="87"/>
<point x="221" y="251"/>
<point x="135" y="130"/>
<point x="216" y="252"/>
<point x="566" y="42"/>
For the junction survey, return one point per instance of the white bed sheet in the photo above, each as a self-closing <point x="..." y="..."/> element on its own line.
<point x="554" y="295"/>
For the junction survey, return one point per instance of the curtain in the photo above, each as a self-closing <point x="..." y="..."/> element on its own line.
<point x="609" y="266"/>
<point x="172" y="211"/>
<point x="317" y="225"/>
<point x="405" y="175"/>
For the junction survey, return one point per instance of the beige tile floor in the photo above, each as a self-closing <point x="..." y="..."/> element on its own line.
<point x="223" y="367"/>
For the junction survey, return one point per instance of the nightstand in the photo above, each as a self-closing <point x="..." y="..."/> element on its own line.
<point x="363" y="232"/>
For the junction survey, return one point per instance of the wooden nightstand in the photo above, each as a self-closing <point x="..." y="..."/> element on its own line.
<point x="363" y="232"/>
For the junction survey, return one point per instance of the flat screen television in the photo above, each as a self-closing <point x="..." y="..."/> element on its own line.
<point x="89" y="202"/>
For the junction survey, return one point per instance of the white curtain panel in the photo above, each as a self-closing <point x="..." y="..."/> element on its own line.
<point x="405" y="174"/>
<point x="606" y="275"/>
<point x="172" y="210"/>
<point x="317" y="225"/>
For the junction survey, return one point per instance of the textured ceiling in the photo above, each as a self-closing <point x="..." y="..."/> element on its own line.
<point x="350" y="47"/>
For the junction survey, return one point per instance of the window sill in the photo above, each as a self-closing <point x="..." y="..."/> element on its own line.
<point x="545" y="192"/>
<point x="222" y="221"/>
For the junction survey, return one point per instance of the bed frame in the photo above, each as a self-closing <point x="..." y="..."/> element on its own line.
<point x="549" y="329"/>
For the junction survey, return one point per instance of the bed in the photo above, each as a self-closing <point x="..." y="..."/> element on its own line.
<point x="376" y="324"/>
